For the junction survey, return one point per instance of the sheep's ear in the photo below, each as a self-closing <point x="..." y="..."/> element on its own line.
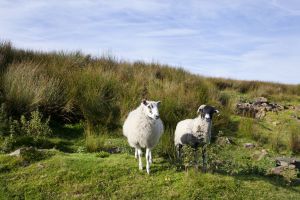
<point x="158" y="103"/>
<point x="218" y="112"/>
<point x="144" y="101"/>
<point x="200" y="110"/>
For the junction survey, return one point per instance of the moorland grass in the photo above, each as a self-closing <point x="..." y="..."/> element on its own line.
<point x="88" y="176"/>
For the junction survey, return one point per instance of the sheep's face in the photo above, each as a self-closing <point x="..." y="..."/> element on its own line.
<point x="151" y="108"/>
<point x="207" y="112"/>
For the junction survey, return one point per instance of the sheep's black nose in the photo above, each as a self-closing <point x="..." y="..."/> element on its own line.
<point x="157" y="117"/>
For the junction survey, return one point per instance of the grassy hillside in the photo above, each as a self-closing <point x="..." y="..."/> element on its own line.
<point x="77" y="103"/>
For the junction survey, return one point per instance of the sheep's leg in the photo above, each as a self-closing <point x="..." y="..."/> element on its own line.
<point x="179" y="156"/>
<point x="204" y="158"/>
<point x="148" y="152"/>
<point x="150" y="156"/>
<point x="136" y="153"/>
<point x="178" y="150"/>
<point x="140" y="158"/>
<point x="196" y="158"/>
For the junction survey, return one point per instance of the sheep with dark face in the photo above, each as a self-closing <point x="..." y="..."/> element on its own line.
<point x="195" y="132"/>
<point x="143" y="128"/>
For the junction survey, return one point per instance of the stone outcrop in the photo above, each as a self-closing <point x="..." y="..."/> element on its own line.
<point x="258" y="108"/>
<point x="287" y="168"/>
<point x="290" y="162"/>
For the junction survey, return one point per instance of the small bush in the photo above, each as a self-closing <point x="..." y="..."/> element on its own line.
<point x="188" y="155"/>
<point x="290" y="175"/>
<point x="35" y="127"/>
<point x="220" y="160"/>
<point x="8" y="144"/>
<point x="30" y="154"/>
<point x="94" y="143"/>
<point x="24" y="133"/>
<point x="81" y="149"/>
<point x="102" y="154"/>
<point x="9" y="162"/>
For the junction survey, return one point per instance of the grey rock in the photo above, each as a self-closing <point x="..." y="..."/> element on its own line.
<point x="15" y="153"/>
<point x="249" y="145"/>
<point x="261" y="100"/>
<point x="286" y="161"/>
<point x="278" y="170"/>
<point x="292" y="167"/>
<point x="223" y="141"/>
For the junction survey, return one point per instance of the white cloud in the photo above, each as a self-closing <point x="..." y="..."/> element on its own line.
<point x="291" y="7"/>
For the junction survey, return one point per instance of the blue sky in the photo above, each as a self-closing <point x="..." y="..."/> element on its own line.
<point x="241" y="39"/>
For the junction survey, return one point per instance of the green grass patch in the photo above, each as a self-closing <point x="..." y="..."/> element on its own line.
<point x="86" y="176"/>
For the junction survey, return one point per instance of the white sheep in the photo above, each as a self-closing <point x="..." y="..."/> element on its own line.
<point x="195" y="132"/>
<point x="143" y="128"/>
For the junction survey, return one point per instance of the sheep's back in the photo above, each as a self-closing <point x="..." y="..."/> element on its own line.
<point x="183" y="127"/>
<point x="130" y="123"/>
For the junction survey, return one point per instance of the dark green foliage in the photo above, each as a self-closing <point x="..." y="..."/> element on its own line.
<point x="35" y="127"/>
<point x="23" y="132"/>
<point x="94" y="143"/>
<point x="188" y="156"/>
<point x="97" y="98"/>
<point x="236" y="160"/>
<point x="26" y="156"/>
<point x="8" y="144"/>
<point x="4" y="127"/>
<point x="30" y="154"/>
<point x="166" y="147"/>
<point x="102" y="154"/>
<point x="6" y="55"/>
